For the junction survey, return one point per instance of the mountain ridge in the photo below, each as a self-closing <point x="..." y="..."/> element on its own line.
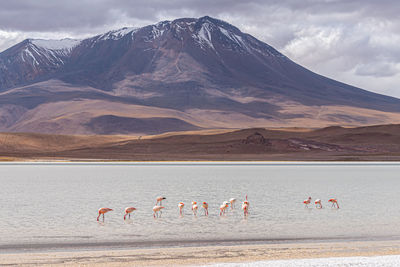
<point x="203" y="72"/>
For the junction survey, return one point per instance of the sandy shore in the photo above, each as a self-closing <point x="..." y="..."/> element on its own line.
<point x="202" y="255"/>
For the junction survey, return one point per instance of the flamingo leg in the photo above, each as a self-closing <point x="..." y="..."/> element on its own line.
<point x="103" y="217"/>
<point x="98" y="217"/>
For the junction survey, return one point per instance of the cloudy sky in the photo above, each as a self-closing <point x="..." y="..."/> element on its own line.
<point x="353" y="41"/>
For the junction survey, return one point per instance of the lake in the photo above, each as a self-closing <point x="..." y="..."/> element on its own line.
<point x="51" y="206"/>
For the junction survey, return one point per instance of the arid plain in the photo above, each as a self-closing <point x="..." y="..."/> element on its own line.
<point x="372" y="143"/>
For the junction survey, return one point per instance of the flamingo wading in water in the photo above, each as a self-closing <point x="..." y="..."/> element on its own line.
<point x="157" y="209"/>
<point x="102" y="211"/>
<point x="194" y="208"/>
<point x="245" y="207"/>
<point x="159" y="200"/>
<point x="180" y="206"/>
<point x="223" y="208"/>
<point x="205" y="207"/>
<point x="334" y="202"/>
<point x="318" y="203"/>
<point x="128" y="211"/>
<point x="232" y="201"/>
<point x="307" y="201"/>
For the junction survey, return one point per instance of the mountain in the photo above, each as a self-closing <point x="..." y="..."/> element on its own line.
<point x="186" y="74"/>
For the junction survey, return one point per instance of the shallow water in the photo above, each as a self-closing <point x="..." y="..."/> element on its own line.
<point x="55" y="205"/>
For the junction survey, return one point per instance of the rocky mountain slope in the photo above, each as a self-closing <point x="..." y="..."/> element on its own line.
<point x="185" y="74"/>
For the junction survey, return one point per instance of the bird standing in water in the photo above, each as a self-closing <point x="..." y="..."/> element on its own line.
<point x="334" y="202"/>
<point x="159" y="200"/>
<point x="232" y="201"/>
<point x="102" y="211"/>
<point x="205" y="207"/>
<point x="223" y="208"/>
<point x="318" y="203"/>
<point x="128" y="211"/>
<point x="245" y="207"/>
<point x="307" y="201"/>
<point x="157" y="209"/>
<point x="194" y="207"/>
<point x="180" y="206"/>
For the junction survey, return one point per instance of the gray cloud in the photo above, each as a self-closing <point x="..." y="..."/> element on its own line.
<point x="354" y="41"/>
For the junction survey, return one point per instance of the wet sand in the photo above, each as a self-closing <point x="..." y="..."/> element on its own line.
<point x="203" y="255"/>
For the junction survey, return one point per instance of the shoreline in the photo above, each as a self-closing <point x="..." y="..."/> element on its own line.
<point x="70" y="247"/>
<point x="202" y="255"/>
<point x="200" y="162"/>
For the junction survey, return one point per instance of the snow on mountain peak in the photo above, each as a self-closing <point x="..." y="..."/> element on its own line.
<point x="204" y="35"/>
<point x="117" y="34"/>
<point x="63" y="44"/>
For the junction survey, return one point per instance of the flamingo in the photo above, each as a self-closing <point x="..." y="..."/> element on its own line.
<point x="232" y="201"/>
<point x="245" y="207"/>
<point x="102" y="211"/>
<point x="226" y="203"/>
<point x="128" y="211"/>
<point x="194" y="207"/>
<point x="247" y="202"/>
<point x="223" y="208"/>
<point x="307" y="201"/>
<point x="334" y="202"/>
<point x="159" y="200"/>
<point x="205" y="207"/>
<point x="181" y="205"/>
<point x="157" y="209"/>
<point x="318" y="203"/>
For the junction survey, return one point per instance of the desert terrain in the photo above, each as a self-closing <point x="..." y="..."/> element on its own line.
<point x="370" y="143"/>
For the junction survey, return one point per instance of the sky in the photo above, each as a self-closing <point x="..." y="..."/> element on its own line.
<point x="353" y="41"/>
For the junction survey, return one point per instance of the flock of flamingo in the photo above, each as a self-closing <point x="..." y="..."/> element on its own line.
<point x="157" y="209"/>
<point x="318" y="202"/>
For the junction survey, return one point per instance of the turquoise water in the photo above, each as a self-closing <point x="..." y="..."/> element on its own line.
<point x="49" y="206"/>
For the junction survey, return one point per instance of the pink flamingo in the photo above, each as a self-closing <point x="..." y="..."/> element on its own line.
<point x="318" y="203"/>
<point x="102" y="211"/>
<point x="232" y="201"/>
<point x="205" y="207"/>
<point x="334" y="202"/>
<point x="226" y="203"/>
<point x="247" y="201"/>
<point x="307" y="201"/>
<point x="156" y="210"/>
<point x="181" y="205"/>
<point x="159" y="200"/>
<point x="128" y="211"/>
<point x="194" y="207"/>
<point x="245" y="207"/>
<point x="223" y="208"/>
